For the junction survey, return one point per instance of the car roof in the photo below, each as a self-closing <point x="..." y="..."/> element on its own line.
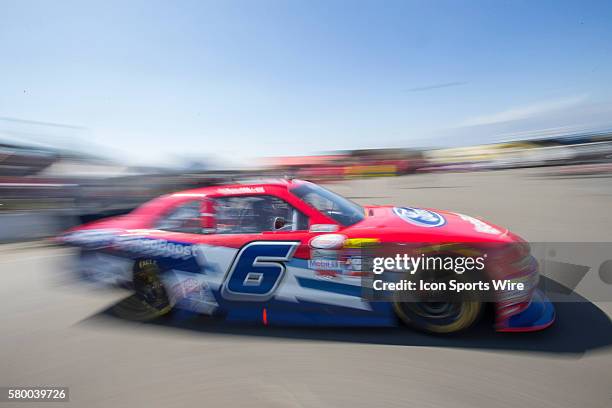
<point x="241" y="187"/>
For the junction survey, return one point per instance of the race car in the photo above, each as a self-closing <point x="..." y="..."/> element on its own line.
<point x="290" y="252"/>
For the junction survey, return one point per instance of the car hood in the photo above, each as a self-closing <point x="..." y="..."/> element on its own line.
<point x="413" y="224"/>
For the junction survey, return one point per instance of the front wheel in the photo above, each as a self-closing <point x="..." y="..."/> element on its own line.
<point x="443" y="315"/>
<point x="150" y="299"/>
<point x="439" y="317"/>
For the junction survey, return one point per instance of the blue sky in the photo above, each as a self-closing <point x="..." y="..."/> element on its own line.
<point x="153" y="81"/>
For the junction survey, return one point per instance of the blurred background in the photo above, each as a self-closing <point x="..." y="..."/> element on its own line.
<point x="59" y="188"/>
<point x="107" y="104"/>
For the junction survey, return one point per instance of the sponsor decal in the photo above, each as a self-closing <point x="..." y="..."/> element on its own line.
<point x="188" y="195"/>
<point x="188" y="286"/>
<point x="324" y="253"/>
<point x="324" y="274"/>
<point x="325" y="262"/>
<point x="333" y="263"/>
<point x="97" y="239"/>
<point x="353" y="263"/>
<point x="323" y="228"/>
<point x="480" y="226"/>
<point x="154" y="247"/>
<point x="191" y="293"/>
<point x="241" y="190"/>
<point x="420" y="217"/>
<point x="322" y="264"/>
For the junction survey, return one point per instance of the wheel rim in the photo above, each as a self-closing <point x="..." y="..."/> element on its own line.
<point x="431" y="313"/>
<point x="436" y="310"/>
<point x="148" y="286"/>
<point x="441" y="318"/>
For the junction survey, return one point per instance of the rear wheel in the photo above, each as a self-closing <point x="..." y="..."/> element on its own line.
<point x="150" y="299"/>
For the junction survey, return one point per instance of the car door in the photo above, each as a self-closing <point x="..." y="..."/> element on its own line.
<point x="275" y="264"/>
<point x="265" y="233"/>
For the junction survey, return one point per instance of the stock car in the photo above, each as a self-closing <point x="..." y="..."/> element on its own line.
<point x="287" y="252"/>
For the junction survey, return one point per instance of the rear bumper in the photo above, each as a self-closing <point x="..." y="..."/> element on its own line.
<point x="539" y="314"/>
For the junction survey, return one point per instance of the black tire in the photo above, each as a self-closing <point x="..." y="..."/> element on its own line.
<point x="439" y="317"/>
<point x="443" y="316"/>
<point x="150" y="299"/>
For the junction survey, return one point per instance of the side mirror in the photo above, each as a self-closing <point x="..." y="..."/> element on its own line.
<point x="279" y="222"/>
<point x="207" y="216"/>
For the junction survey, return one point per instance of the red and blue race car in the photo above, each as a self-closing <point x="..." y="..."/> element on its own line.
<point x="289" y="252"/>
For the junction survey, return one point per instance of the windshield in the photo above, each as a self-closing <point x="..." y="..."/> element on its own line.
<point x="331" y="204"/>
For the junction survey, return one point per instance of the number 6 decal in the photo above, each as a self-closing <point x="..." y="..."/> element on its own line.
<point x="257" y="270"/>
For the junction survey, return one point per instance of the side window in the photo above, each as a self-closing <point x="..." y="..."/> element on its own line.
<point x="255" y="214"/>
<point x="184" y="218"/>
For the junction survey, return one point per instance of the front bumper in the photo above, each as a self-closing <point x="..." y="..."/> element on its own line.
<point x="539" y="314"/>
